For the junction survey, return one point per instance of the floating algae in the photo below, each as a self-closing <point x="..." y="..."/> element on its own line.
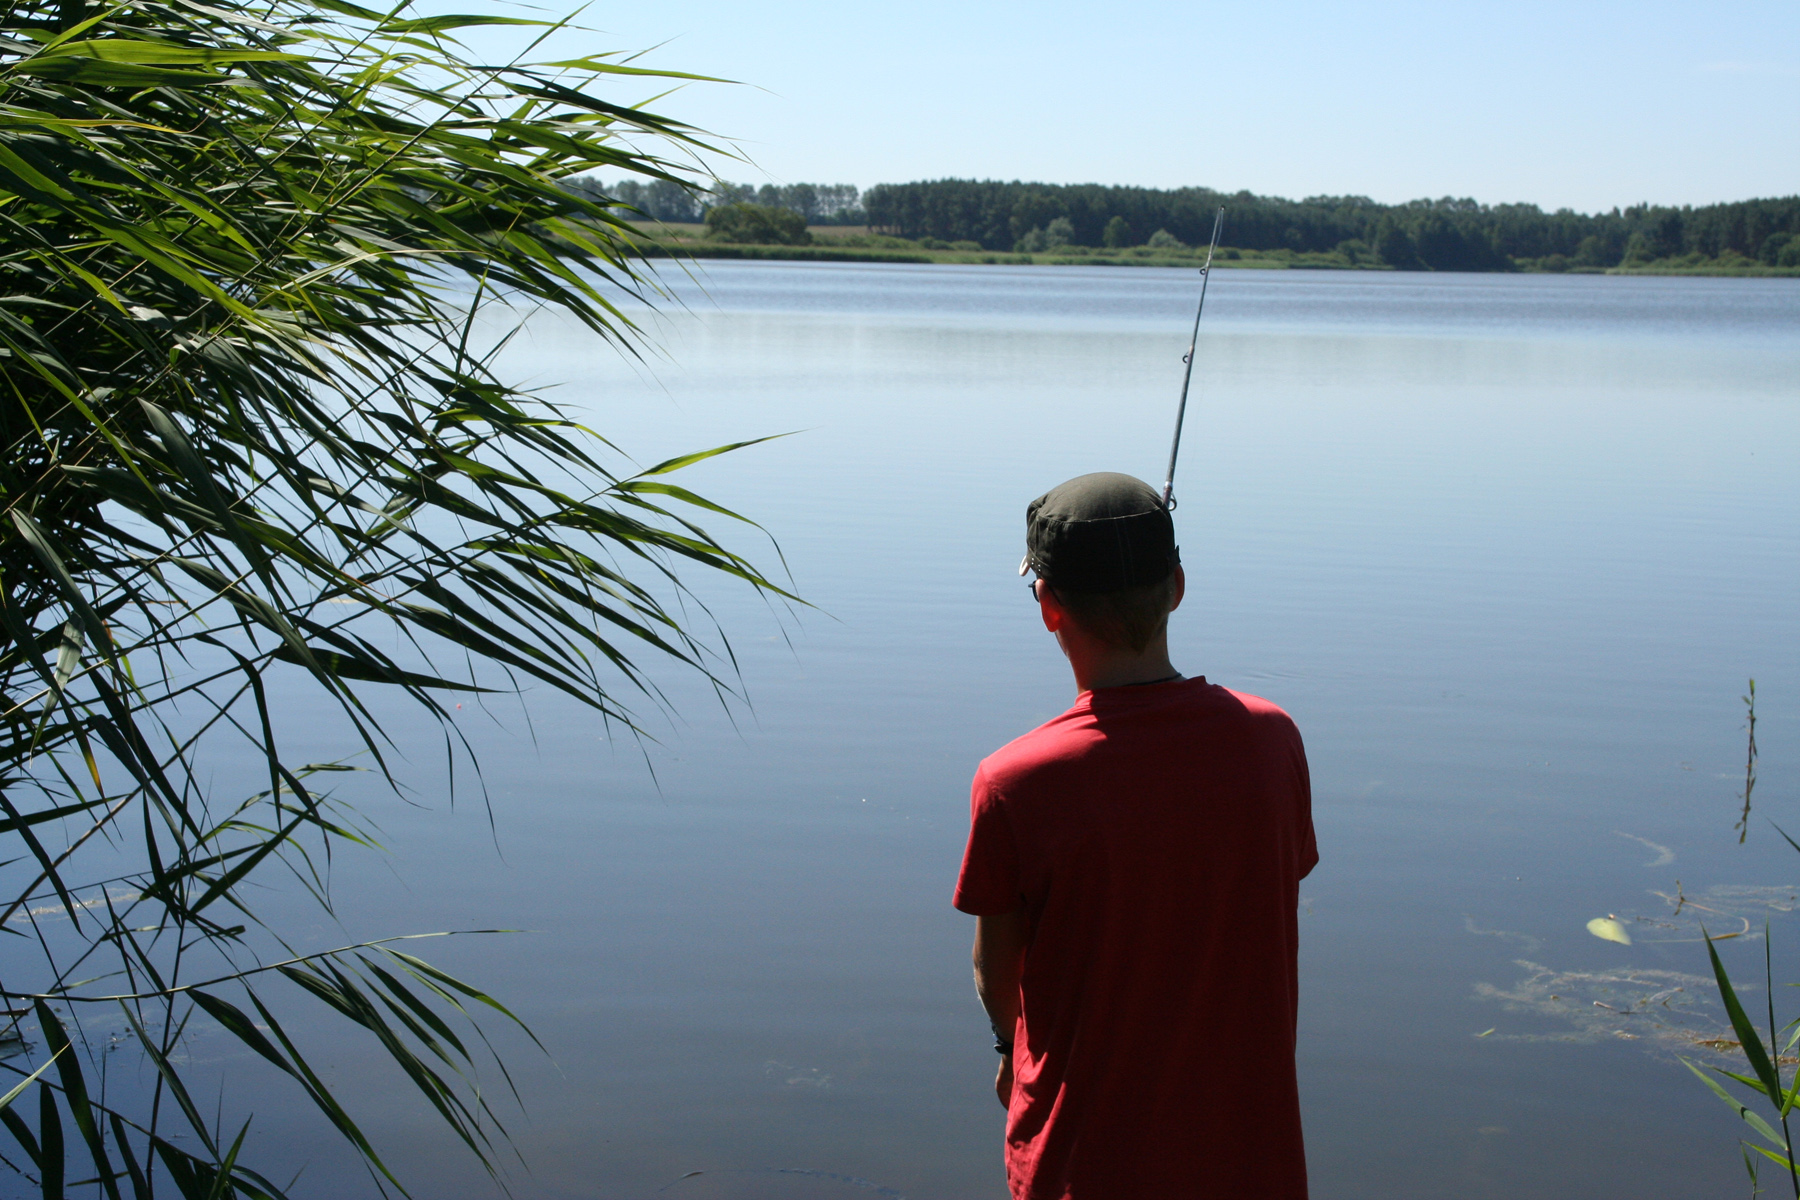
<point x="1669" y="1012"/>
<point x="1664" y="855"/>
<point x="1527" y="944"/>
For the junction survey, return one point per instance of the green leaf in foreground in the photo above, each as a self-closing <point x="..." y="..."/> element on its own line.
<point x="260" y="262"/>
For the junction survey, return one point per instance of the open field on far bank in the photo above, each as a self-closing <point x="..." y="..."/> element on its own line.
<point x="854" y="243"/>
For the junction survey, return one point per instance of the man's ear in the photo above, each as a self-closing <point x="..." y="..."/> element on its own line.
<point x="1180" y="587"/>
<point x="1056" y="617"/>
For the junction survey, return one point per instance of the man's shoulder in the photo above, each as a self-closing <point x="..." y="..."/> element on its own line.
<point x="1256" y="708"/>
<point x="1264" y="723"/>
<point x="1059" y="739"/>
<point x="1086" y="727"/>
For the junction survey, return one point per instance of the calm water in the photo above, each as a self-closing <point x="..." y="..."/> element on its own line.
<point x="1506" y="548"/>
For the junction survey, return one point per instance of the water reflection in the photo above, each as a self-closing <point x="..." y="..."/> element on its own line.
<point x="1505" y="547"/>
<point x="776" y="1183"/>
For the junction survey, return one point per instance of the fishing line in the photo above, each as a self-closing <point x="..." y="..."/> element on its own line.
<point x="1187" y="376"/>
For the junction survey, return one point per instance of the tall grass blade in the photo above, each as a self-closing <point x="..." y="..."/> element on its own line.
<point x="1748" y="1038"/>
<point x="1749" y="1116"/>
<point x="262" y="262"/>
<point x="75" y="1094"/>
<point x="6" y="1100"/>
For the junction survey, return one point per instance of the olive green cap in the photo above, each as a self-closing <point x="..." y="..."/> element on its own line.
<point x="1100" y="533"/>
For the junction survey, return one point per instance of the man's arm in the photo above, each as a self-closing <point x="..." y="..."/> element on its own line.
<point x="999" y="961"/>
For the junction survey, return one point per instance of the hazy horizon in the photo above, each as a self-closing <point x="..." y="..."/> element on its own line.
<point x="1232" y="191"/>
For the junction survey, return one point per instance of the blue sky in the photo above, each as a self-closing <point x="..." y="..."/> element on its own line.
<point x="1585" y="105"/>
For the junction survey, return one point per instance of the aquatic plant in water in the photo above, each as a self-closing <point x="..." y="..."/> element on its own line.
<point x="1743" y="825"/>
<point x="1765" y="1060"/>
<point x="1664" y="1011"/>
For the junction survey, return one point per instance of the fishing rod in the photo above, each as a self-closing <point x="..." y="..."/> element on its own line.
<point x="1187" y="376"/>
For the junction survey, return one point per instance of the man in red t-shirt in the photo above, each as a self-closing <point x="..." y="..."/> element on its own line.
<point x="1135" y="865"/>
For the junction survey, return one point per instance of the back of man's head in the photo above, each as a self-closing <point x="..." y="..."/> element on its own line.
<point x="1106" y="545"/>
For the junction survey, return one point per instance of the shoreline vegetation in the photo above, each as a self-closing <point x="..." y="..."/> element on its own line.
<point x="240" y="391"/>
<point x="1016" y="223"/>
<point x="851" y="243"/>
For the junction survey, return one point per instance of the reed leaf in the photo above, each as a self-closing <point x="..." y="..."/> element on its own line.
<point x="257" y="263"/>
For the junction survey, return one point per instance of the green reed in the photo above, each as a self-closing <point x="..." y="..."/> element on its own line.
<point x="255" y="257"/>
<point x="1765" y="1059"/>
<point x="1743" y="825"/>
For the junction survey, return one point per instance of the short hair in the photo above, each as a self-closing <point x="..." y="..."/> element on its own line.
<point x="1129" y="618"/>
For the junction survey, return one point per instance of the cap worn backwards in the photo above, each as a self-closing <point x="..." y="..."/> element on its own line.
<point x="1100" y="533"/>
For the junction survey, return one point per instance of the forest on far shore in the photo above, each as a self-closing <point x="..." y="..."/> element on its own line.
<point x="1439" y="235"/>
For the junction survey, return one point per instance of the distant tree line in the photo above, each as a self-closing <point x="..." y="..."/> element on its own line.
<point x="756" y="224"/>
<point x="1441" y="235"/>
<point x="816" y="203"/>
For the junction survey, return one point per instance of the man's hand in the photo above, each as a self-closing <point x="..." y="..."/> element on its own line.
<point x="999" y="959"/>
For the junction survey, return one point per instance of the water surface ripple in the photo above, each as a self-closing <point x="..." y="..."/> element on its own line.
<point x="1506" y="546"/>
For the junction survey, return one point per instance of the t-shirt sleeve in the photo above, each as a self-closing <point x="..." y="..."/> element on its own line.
<point x="989" y="883"/>
<point x="1308" y="843"/>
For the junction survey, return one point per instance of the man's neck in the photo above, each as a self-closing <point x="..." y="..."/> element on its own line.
<point x="1100" y="666"/>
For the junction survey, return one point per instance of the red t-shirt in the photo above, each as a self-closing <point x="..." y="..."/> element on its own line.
<point x="1157" y="836"/>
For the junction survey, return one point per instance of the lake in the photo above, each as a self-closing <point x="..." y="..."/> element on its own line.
<point x="1507" y="547"/>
